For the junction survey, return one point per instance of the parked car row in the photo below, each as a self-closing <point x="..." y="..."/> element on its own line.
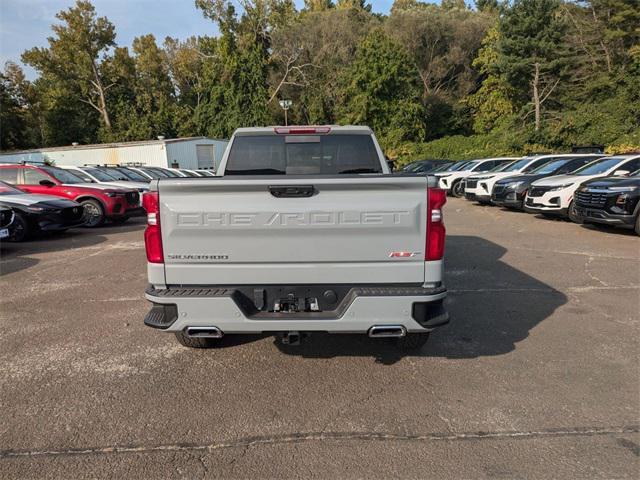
<point x="42" y="198"/>
<point x="586" y="188"/>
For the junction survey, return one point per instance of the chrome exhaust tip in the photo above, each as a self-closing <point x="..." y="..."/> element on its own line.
<point x="203" y="332"/>
<point x="389" y="331"/>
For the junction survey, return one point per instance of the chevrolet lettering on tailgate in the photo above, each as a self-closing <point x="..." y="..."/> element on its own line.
<point x="293" y="219"/>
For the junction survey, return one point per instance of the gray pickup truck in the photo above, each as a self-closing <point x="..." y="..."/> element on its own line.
<point x="304" y="229"/>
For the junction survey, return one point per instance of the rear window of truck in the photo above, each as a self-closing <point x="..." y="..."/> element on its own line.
<point x="302" y="155"/>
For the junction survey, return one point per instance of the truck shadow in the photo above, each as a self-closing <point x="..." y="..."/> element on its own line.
<point x="492" y="305"/>
<point x="14" y="257"/>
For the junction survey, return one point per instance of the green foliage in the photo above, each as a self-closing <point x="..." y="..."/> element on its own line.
<point x="458" y="147"/>
<point x="72" y="62"/>
<point x="491" y="104"/>
<point x="318" y="5"/>
<point x="442" y="42"/>
<point x="12" y="112"/>
<point x="432" y="80"/>
<point x="309" y="58"/>
<point x="235" y="88"/>
<point x="357" y="4"/>
<point x="143" y="102"/>
<point x="381" y="90"/>
<point x="487" y="5"/>
<point x="451" y="4"/>
<point x="532" y="56"/>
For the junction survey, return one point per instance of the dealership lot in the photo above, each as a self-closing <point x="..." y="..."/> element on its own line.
<point x="537" y="375"/>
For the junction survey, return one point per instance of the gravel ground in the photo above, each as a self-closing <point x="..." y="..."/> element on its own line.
<point x="536" y="376"/>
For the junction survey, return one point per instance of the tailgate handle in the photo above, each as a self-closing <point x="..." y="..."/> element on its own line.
<point x="292" y="191"/>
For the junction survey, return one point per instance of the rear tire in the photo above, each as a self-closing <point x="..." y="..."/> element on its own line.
<point x="93" y="215"/>
<point x="637" y="226"/>
<point x="573" y="216"/>
<point x="457" y="189"/>
<point x="19" y="229"/>
<point x="195" y="342"/>
<point x="412" y="341"/>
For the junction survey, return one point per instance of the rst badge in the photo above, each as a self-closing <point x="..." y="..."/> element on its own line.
<point x="404" y="254"/>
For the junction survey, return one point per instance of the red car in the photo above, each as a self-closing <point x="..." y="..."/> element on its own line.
<point x="100" y="202"/>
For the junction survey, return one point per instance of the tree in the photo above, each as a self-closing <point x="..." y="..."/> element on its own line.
<point x="491" y="103"/>
<point x="318" y="5"/>
<point x="487" y="5"/>
<point x="603" y="31"/>
<point x="381" y="90"/>
<point x="238" y="94"/>
<point x="532" y="52"/>
<point x="64" y="118"/>
<point x="405" y="5"/>
<point x="516" y="72"/>
<point x="358" y="4"/>
<point x="187" y="61"/>
<point x="74" y="56"/>
<point x="153" y="89"/>
<point x="12" y="110"/>
<point x="316" y="50"/>
<point x="442" y="44"/>
<point x="451" y="4"/>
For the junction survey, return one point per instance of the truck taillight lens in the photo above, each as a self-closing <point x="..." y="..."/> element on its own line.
<point x="152" y="235"/>
<point x="436" y="198"/>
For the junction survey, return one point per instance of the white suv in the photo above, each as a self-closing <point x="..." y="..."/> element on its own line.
<point x="478" y="187"/>
<point x="554" y="195"/>
<point x="453" y="181"/>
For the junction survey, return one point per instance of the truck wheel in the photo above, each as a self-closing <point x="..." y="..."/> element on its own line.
<point x="573" y="216"/>
<point x="457" y="189"/>
<point x="192" y="342"/>
<point x="19" y="229"/>
<point x="412" y="341"/>
<point x="637" y="226"/>
<point x="93" y="213"/>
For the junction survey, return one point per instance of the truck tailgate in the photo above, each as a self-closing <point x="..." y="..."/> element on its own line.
<point x="241" y="230"/>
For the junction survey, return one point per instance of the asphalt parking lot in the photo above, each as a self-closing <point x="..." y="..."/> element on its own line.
<point x="536" y="376"/>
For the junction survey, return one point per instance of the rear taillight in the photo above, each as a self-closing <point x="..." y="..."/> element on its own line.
<point x="436" y="198"/>
<point x="152" y="234"/>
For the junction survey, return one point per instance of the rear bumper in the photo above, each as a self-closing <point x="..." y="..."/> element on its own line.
<point x="416" y="308"/>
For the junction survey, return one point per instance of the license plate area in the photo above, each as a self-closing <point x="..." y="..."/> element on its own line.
<point x="290" y="300"/>
<point x="4" y="233"/>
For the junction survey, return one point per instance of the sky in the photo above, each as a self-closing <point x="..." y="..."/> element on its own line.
<point x="27" y="23"/>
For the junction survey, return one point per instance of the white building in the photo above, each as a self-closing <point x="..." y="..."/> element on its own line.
<point x="191" y="153"/>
